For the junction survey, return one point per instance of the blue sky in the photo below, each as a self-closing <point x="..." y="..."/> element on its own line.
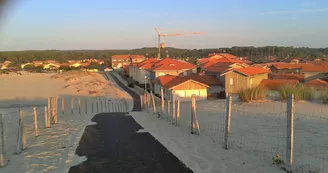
<point x="126" y="24"/>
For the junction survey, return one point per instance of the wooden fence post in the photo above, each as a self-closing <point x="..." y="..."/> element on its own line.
<point x="92" y="111"/>
<point x="56" y="110"/>
<point x="194" y="122"/>
<point x="21" y="141"/>
<point x="53" y="110"/>
<point x="228" y="119"/>
<point x="153" y="100"/>
<point x="63" y="105"/>
<point x="178" y="112"/>
<point x="97" y="105"/>
<point x="193" y="101"/>
<point x="72" y="105"/>
<point x="35" y="122"/>
<point x="173" y="108"/>
<point x="108" y="104"/>
<point x="290" y="132"/>
<point x="141" y="102"/>
<point x="46" y="125"/>
<point x="49" y="113"/>
<point x="163" y="103"/>
<point x="86" y="106"/>
<point x="79" y="105"/>
<point x="2" y="152"/>
<point x="168" y="109"/>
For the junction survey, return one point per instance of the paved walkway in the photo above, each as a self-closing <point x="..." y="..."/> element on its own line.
<point x="114" y="145"/>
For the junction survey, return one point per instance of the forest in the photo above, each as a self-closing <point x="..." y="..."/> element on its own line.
<point x="253" y="53"/>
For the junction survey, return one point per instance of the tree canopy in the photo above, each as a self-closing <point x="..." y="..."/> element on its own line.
<point x="253" y="53"/>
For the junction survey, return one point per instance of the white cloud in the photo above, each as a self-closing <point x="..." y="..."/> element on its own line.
<point x="313" y="10"/>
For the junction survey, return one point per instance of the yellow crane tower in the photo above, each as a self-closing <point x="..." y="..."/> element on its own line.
<point x="162" y="45"/>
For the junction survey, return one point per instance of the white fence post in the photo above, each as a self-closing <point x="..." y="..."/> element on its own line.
<point x="290" y="132"/>
<point x="228" y="119"/>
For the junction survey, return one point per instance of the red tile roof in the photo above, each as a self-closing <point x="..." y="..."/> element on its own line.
<point x="169" y="81"/>
<point x="146" y="64"/>
<point x="286" y="66"/>
<point x="298" y="77"/>
<point x="221" y="57"/>
<point x="277" y="83"/>
<point x="250" y="71"/>
<point x="171" y="64"/>
<point x="305" y="67"/>
<point x="317" y="83"/>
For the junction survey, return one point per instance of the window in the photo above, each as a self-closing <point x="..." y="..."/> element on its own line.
<point x="251" y="81"/>
<point x="114" y="60"/>
<point x="231" y="81"/>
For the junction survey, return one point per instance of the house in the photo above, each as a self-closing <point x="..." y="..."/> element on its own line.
<point x="75" y="64"/>
<point x="273" y="86"/>
<point x="3" y="66"/>
<point x="240" y="78"/>
<point x="172" y="67"/>
<point x="138" y="71"/>
<point x="213" y="89"/>
<point x="23" y="65"/>
<point x="317" y="84"/>
<point x="51" y="65"/>
<point x="221" y="57"/>
<point x="120" y="61"/>
<point x="37" y="63"/>
<point x="298" y="77"/>
<point x="286" y="68"/>
<point x="182" y="86"/>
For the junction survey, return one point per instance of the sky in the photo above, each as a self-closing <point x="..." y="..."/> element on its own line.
<point x="128" y="24"/>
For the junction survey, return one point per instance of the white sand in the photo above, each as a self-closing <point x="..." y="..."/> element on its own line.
<point x="54" y="149"/>
<point x="258" y="133"/>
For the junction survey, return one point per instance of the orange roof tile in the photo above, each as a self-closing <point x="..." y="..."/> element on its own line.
<point x="250" y="71"/>
<point x="276" y="83"/>
<point x="317" y="83"/>
<point x="165" y="79"/>
<point x="298" y="77"/>
<point x="171" y="64"/>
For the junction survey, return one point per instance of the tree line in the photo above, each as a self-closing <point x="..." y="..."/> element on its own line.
<point x="253" y="53"/>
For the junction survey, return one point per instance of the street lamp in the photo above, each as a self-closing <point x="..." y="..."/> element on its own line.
<point x="145" y="83"/>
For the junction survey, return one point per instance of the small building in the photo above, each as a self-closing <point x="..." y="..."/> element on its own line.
<point x="185" y="86"/>
<point x="120" y="61"/>
<point x="299" y="77"/>
<point x="108" y="69"/>
<point x="317" y="84"/>
<point x="51" y="65"/>
<point x="240" y="78"/>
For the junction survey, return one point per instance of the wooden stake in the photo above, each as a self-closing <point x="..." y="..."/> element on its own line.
<point x="21" y="141"/>
<point x="35" y="122"/>
<point x="174" y="118"/>
<point x="2" y="152"/>
<point x="72" y="105"/>
<point x="193" y="103"/>
<point x="92" y="111"/>
<point x="168" y="109"/>
<point x="46" y="125"/>
<point x="49" y="112"/>
<point x="141" y="102"/>
<point x="153" y="100"/>
<point x="79" y="105"/>
<point x="290" y="132"/>
<point x="97" y="106"/>
<point x="178" y="112"/>
<point x="86" y="106"/>
<point x="163" y="103"/>
<point x="63" y="105"/>
<point x="108" y="103"/>
<point x="56" y="110"/>
<point x="228" y="119"/>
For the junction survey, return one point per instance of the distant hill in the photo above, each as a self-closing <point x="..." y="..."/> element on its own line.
<point x="253" y="53"/>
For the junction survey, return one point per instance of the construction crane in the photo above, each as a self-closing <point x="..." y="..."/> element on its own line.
<point x="162" y="45"/>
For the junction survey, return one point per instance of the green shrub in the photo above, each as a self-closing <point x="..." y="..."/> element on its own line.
<point x="324" y="96"/>
<point x="300" y="92"/>
<point x="250" y="94"/>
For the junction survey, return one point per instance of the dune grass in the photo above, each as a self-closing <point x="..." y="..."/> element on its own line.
<point x="300" y="92"/>
<point x="251" y="94"/>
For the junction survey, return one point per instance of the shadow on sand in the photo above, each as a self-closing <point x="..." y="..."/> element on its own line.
<point x="114" y="145"/>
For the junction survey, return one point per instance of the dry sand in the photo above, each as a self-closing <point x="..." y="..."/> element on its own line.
<point x="54" y="149"/>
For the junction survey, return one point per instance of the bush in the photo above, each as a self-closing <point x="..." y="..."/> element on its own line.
<point x="300" y="92"/>
<point x="324" y="96"/>
<point x="250" y="94"/>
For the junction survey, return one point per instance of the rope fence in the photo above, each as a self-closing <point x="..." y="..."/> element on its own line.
<point x="292" y="135"/>
<point x="20" y="127"/>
